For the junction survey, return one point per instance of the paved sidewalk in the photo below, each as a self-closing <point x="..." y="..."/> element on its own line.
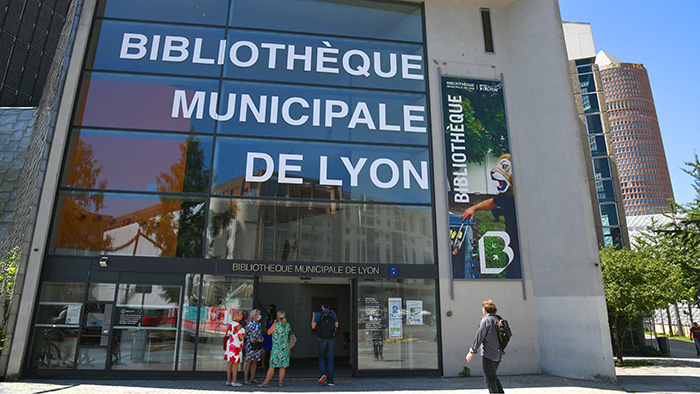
<point x="531" y="384"/>
<point x="678" y="374"/>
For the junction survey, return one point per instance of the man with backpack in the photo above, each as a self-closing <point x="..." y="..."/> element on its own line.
<point x="325" y="324"/>
<point x="490" y="339"/>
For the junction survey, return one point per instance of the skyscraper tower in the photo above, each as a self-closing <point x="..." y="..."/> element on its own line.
<point x="636" y="138"/>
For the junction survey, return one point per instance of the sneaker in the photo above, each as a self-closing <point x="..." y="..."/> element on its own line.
<point x="322" y="379"/>
<point x="331" y="384"/>
<point x="228" y="383"/>
<point x="236" y="384"/>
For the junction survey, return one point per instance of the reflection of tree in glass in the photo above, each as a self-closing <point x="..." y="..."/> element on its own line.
<point x="83" y="227"/>
<point x="485" y="125"/>
<point x="178" y="228"/>
<point x="220" y="222"/>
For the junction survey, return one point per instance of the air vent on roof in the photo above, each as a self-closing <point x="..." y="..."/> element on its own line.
<point x="486" y="24"/>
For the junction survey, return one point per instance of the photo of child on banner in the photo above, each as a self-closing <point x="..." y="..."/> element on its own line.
<point x="484" y="241"/>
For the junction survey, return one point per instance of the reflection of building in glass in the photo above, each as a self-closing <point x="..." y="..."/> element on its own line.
<point x="319" y="232"/>
<point x="311" y="188"/>
<point x="595" y="131"/>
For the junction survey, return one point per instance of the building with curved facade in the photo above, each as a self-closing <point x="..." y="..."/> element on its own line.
<point x="636" y="137"/>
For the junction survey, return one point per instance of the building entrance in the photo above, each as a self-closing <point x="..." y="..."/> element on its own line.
<point x="300" y="300"/>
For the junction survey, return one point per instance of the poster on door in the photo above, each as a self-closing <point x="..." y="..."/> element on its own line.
<point x="414" y="312"/>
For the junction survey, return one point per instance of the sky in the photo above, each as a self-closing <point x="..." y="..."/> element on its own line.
<point x="665" y="37"/>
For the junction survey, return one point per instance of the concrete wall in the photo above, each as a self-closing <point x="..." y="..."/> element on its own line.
<point x="579" y="40"/>
<point x="558" y="312"/>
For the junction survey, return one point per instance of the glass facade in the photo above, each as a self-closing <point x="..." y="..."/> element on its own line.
<point x="605" y="189"/>
<point x="220" y="132"/>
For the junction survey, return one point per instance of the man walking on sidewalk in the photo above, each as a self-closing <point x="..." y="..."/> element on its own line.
<point x="486" y="341"/>
<point x="695" y="333"/>
<point x="325" y="324"/>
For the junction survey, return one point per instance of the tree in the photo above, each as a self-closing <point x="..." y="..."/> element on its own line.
<point x="678" y="242"/>
<point x="636" y="284"/>
<point x="8" y="276"/>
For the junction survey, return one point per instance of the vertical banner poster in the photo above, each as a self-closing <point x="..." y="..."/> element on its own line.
<point x="483" y="226"/>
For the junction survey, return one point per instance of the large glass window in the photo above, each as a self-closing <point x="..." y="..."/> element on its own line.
<point x="370" y="19"/>
<point x="146" y="326"/>
<point x="91" y="223"/>
<point x="135" y="46"/>
<point x="130" y="160"/>
<point x="333" y="114"/>
<point x="221" y="295"/>
<point x="208" y="12"/>
<point x="313" y="232"/>
<point x="127" y="101"/>
<point x="319" y="171"/>
<point x="397" y="324"/>
<point x="57" y="325"/>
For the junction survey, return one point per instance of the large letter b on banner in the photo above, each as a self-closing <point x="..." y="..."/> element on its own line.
<point x="495" y="252"/>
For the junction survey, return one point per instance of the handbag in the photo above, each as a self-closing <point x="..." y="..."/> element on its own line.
<point x="292" y="340"/>
<point x="255" y="345"/>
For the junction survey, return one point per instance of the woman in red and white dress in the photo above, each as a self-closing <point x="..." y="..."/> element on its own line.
<point x="233" y="348"/>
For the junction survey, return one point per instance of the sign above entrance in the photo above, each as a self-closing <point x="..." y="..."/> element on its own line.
<point x="355" y="270"/>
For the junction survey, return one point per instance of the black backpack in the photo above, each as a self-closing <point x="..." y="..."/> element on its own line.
<point x="504" y="332"/>
<point x="326" y="326"/>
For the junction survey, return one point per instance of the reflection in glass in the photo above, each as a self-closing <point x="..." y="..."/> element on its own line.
<point x="403" y="337"/>
<point x="593" y="123"/>
<point x="612" y="237"/>
<point x="590" y="103"/>
<point x="390" y="57"/>
<point x="597" y="145"/>
<point x="138" y="161"/>
<point x="56" y="329"/>
<point x="319" y="232"/>
<point x="221" y="294"/>
<point x="128" y="101"/>
<point x="92" y="223"/>
<point x="371" y="19"/>
<point x="188" y="322"/>
<point x="273" y="110"/>
<point x="605" y="190"/>
<point x="101" y="292"/>
<point x="587" y="83"/>
<point x="383" y="173"/>
<point x="92" y="358"/>
<point x="602" y="168"/>
<point x="608" y="215"/>
<point x="121" y="48"/>
<point x="145" y="327"/>
<point x="208" y="12"/>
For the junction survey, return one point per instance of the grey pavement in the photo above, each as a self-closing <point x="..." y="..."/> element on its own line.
<point x="678" y="374"/>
